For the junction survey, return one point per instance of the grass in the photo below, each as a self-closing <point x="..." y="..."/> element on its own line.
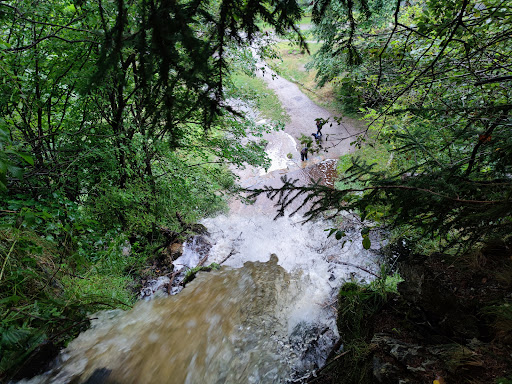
<point x="304" y="21"/>
<point x="357" y="305"/>
<point x="292" y="67"/>
<point x="88" y="290"/>
<point x="45" y="297"/>
<point x="266" y="101"/>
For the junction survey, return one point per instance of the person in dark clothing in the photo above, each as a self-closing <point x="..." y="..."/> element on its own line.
<point x="317" y="136"/>
<point x="304" y="153"/>
<point x="319" y="124"/>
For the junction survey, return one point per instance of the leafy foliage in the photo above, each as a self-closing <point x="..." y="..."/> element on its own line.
<point x="434" y="79"/>
<point x="41" y="303"/>
<point x="114" y="125"/>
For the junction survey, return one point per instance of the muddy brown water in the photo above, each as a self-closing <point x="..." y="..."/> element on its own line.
<point x="221" y="329"/>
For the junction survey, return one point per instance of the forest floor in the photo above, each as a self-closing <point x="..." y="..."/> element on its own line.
<point x="451" y="322"/>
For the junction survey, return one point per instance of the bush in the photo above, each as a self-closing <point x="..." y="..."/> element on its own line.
<point x="45" y="297"/>
<point x="349" y="96"/>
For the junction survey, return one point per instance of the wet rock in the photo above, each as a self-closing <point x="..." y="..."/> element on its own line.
<point x="313" y="343"/>
<point x="200" y="245"/>
<point x="156" y="287"/>
<point x="174" y="251"/>
<point x="38" y="361"/>
<point x="100" y="376"/>
<point x="199" y="229"/>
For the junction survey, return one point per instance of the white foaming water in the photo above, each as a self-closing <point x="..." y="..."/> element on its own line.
<point x="194" y="251"/>
<point x="303" y="250"/>
<point x="278" y="147"/>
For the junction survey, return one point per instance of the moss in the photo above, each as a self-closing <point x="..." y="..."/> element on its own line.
<point x="191" y="273"/>
<point x="357" y="306"/>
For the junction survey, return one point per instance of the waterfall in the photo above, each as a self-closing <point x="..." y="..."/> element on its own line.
<point x="266" y="316"/>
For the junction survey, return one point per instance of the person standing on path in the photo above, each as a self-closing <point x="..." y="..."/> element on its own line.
<point x="319" y="124"/>
<point x="304" y="154"/>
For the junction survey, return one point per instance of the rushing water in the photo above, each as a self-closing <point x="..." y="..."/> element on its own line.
<point x="261" y="318"/>
<point x="225" y="327"/>
<point x="267" y="316"/>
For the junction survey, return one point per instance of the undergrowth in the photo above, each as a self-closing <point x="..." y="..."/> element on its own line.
<point x="62" y="261"/>
<point x="45" y="297"/>
<point x="357" y="304"/>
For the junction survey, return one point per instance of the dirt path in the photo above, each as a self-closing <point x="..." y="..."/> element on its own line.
<point x="303" y="112"/>
<point x="284" y="146"/>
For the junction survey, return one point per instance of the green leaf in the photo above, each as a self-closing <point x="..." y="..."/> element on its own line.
<point x="331" y="231"/>
<point x="16" y="172"/>
<point x="366" y="242"/>
<point x="11" y="337"/>
<point x="340" y="234"/>
<point x="26" y="157"/>
<point x="14" y="299"/>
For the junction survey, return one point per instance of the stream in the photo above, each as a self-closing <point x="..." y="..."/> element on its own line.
<point x="266" y="316"/>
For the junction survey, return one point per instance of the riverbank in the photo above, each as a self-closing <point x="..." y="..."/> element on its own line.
<point x="451" y="321"/>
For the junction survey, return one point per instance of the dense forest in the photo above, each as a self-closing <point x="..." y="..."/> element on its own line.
<point x="117" y="130"/>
